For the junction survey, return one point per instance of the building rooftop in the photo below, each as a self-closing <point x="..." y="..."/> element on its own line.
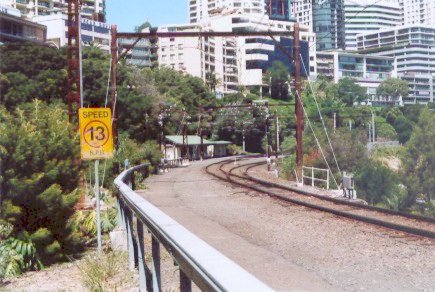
<point x="193" y="140"/>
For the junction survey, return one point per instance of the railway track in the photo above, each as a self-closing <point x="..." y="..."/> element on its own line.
<point x="399" y="221"/>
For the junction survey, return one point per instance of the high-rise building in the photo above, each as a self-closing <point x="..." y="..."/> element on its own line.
<point x="234" y="61"/>
<point x="413" y="46"/>
<point x="367" y="71"/>
<point x="328" y="24"/>
<point x="90" y="9"/>
<point x="302" y="10"/>
<point x="203" y="9"/>
<point x="279" y="10"/>
<point x="92" y="32"/>
<point x="364" y="16"/>
<point x="418" y="11"/>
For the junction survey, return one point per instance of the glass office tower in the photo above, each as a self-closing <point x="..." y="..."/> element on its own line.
<point x="328" y="24"/>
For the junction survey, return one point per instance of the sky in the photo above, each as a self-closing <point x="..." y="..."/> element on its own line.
<point x="127" y="14"/>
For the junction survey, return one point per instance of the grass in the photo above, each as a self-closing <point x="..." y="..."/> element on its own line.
<point x="106" y="272"/>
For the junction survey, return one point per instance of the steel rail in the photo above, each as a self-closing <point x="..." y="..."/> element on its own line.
<point x="370" y="220"/>
<point x="338" y="201"/>
<point x="199" y="262"/>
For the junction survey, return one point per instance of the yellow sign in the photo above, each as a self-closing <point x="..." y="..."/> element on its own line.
<point x="96" y="138"/>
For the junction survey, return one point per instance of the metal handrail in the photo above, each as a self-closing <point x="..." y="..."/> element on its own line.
<point x="209" y="269"/>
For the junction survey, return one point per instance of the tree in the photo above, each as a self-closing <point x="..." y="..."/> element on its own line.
<point x="31" y="71"/>
<point x="277" y="76"/>
<point x="349" y="92"/>
<point x="141" y="27"/>
<point x="385" y="130"/>
<point x="393" y="87"/>
<point x="211" y="80"/>
<point x="39" y="177"/>
<point x="375" y="182"/>
<point x="403" y="127"/>
<point x="419" y="159"/>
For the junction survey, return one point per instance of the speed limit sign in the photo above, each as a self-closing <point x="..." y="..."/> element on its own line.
<point x="96" y="138"/>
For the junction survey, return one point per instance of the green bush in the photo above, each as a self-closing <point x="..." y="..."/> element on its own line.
<point x="375" y="182"/>
<point x="39" y="177"/>
<point x="288" y="166"/>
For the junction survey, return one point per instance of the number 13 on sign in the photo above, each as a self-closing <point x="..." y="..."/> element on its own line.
<point x="96" y="139"/>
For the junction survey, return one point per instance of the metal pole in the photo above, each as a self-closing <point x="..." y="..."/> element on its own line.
<point x="276" y="135"/>
<point x="350" y="125"/>
<point x="201" y="148"/>
<point x="79" y="17"/>
<point x="298" y="105"/>
<point x="335" y="121"/>
<point x="114" y="52"/>
<point x="243" y="131"/>
<point x="373" y="128"/>
<point x="97" y="197"/>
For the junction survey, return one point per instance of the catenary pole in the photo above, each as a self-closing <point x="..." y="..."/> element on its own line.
<point x="298" y="106"/>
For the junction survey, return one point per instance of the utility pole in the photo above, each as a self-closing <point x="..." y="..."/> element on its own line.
<point x="113" y="93"/>
<point x="161" y="124"/>
<point x="298" y="106"/>
<point x="73" y="59"/>
<point x="201" y="147"/>
<point x="267" y="137"/>
<point x="185" y="142"/>
<point x="335" y="121"/>
<point x="276" y="134"/>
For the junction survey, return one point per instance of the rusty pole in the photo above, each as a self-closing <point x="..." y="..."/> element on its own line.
<point x="298" y="105"/>
<point x="73" y="79"/>
<point x="113" y="89"/>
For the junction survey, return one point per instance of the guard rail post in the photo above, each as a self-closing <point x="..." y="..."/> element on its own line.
<point x="155" y="252"/>
<point x="141" y="256"/>
<point x="130" y="239"/>
<point x="198" y="262"/>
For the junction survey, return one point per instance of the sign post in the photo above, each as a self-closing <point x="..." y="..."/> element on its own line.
<point x="96" y="142"/>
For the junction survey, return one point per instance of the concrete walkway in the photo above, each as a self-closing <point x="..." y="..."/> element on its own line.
<point x="290" y="247"/>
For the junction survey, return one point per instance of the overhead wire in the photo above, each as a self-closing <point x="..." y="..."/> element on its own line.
<point x="320" y="114"/>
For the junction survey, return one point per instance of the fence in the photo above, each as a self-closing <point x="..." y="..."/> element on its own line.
<point x="198" y="262"/>
<point x="311" y="176"/>
<point x="171" y="163"/>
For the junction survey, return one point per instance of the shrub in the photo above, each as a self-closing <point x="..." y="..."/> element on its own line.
<point x="40" y="173"/>
<point x="375" y="182"/>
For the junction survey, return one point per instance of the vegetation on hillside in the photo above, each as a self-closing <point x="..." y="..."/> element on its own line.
<point x="40" y="170"/>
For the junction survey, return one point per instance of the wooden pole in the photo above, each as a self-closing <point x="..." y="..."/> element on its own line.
<point x="298" y="106"/>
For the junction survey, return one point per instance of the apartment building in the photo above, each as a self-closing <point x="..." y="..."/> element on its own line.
<point x="367" y="71"/>
<point x="14" y="28"/>
<point x="93" y="32"/>
<point x="203" y="9"/>
<point x="302" y="10"/>
<point x="418" y="12"/>
<point x="90" y="9"/>
<point x="413" y="46"/>
<point x="234" y="61"/>
<point x="365" y="16"/>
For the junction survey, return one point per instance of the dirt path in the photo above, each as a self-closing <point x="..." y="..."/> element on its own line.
<point x="290" y="247"/>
